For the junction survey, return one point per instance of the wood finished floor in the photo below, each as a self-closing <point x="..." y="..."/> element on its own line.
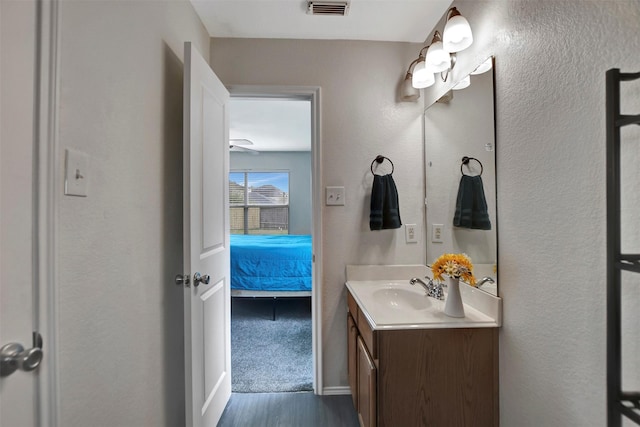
<point x="288" y="410"/>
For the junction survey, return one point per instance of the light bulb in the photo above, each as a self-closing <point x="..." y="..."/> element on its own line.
<point x="422" y="78"/>
<point x="457" y="34"/>
<point x="437" y="59"/>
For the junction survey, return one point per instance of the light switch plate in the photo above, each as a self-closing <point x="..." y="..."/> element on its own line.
<point x="335" y="196"/>
<point x="76" y="179"/>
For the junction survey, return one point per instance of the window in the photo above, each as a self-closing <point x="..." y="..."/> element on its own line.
<point x="259" y="202"/>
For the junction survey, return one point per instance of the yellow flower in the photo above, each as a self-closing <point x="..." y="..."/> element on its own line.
<point x="454" y="265"/>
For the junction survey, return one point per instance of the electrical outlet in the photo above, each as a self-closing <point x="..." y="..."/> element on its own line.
<point x="410" y="233"/>
<point x="436" y="233"/>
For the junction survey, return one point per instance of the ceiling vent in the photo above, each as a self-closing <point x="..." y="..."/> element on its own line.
<point x="328" y="8"/>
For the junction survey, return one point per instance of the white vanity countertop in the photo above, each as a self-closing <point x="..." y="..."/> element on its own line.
<point x="390" y="302"/>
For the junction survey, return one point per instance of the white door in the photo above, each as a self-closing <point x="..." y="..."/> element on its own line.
<point x="207" y="304"/>
<point x="17" y="66"/>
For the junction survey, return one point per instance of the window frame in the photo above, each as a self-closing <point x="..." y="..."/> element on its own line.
<point x="246" y="205"/>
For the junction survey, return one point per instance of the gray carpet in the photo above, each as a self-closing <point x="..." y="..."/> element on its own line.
<point x="271" y="356"/>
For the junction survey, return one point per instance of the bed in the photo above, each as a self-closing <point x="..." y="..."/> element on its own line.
<point x="272" y="266"/>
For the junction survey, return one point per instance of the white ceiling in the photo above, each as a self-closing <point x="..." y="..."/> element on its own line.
<point x="271" y="124"/>
<point x="277" y="125"/>
<point x="382" y="20"/>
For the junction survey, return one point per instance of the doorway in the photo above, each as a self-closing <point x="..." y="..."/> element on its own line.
<point x="273" y="201"/>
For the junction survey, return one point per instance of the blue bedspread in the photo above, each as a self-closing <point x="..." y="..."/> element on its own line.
<point x="271" y="263"/>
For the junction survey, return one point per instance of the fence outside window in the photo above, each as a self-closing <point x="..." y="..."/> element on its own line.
<point x="259" y="202"/>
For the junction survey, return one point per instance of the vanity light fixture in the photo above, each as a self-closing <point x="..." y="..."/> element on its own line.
<point x="422" y="76"/>
<point x="440" y="55"/>
<point x="417" y="77"/>
<point x="437" y="59"/>
<point x="457" y="34"/>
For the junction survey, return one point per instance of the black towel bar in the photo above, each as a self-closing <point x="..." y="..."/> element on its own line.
<point x="381" y="159"/>
<point x="466" y="160"/>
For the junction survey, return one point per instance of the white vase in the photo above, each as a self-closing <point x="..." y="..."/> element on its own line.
<point x="453" y="305"/>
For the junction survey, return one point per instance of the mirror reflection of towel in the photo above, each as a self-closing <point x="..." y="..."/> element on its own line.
<point x="471" y="205"/>
<point x="385" y="210"/>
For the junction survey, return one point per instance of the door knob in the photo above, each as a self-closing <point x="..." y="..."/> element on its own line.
<point x="200" y="278"/>
<point x="13" y="356"/>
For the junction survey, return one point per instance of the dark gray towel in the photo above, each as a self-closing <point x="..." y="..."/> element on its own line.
<point x="471" y="205"/>
<point x="385" y="210"/>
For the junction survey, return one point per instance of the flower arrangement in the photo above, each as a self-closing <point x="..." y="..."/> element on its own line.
<point x="458" y="266"/>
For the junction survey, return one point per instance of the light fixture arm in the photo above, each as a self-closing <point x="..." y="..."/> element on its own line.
<point x="445" y="74"/>
<point x="452" y="12"/>
<point x="437" y="37"/>
<point x="415" y="61"/>
<point x="409" y="70"/>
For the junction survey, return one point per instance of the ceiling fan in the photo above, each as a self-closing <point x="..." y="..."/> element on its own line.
<point x="238" y="145"/>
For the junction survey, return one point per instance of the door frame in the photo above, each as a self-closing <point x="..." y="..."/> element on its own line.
<point x="311" y="93"/>
<point x="46" y="181"/>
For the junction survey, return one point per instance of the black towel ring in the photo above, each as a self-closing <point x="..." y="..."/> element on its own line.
<point x="381" y="159"/>
<point x="465" y="161"/>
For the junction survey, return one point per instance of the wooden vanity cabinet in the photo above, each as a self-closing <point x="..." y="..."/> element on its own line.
<point x="352" y="358"/>
<point x="422" y="377"/>
<point x="361" y="366"/>
<point x="367" y="390"/>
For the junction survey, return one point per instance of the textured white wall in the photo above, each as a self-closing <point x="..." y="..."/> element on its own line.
<point x="299" y="166"/>
<point x="120" y="315"/>
<point x="360" y="119"/>
<point x="550" y="79"/>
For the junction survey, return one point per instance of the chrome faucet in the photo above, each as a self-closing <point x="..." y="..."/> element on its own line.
<point x="484" y="280"/>
<point x="434" y="290"/>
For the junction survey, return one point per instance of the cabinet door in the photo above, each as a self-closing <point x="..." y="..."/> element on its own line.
<point x="367" y="394"/>
<point x="352" y="359"/>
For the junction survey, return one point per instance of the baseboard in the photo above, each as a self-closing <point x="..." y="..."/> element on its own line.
<point x="329" y="391"/>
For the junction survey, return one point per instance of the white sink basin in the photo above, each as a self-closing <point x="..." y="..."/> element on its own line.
<point x="395" y="304"/>
<point x="396" y="296"/>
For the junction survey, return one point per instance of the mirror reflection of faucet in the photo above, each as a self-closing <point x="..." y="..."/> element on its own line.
<point x="434" y="290"/>
<point x="484" y="280"/>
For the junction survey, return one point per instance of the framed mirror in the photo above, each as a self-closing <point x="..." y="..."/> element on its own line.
<point x="461" y="125"/>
